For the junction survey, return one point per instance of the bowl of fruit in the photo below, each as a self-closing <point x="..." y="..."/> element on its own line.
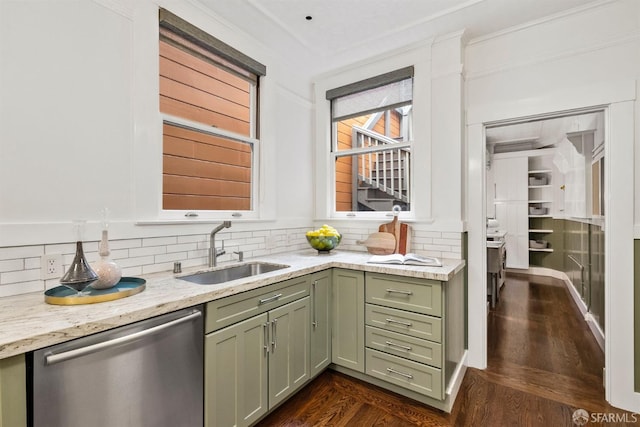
<point x="324" y="239"/>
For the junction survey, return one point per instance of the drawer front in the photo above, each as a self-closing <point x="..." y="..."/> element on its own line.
<point x="405" y="373"/>
<point x="229" y="310"/>
<point x="416" y="349"/>
<point x="405" y="322"/>
<point x="405" y="293"/>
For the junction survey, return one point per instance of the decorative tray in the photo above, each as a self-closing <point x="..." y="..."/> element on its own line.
<point x="62" y="295"/>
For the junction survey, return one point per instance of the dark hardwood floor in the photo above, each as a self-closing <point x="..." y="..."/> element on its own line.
<point x="543" y="364"/>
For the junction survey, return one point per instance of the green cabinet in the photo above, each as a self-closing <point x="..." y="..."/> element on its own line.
<point x="405" y="332"/>
<point x="236" y="373"/>
<point x="320" y="352"/>
<point x="13" y="392"/>
<point x="254" y="364"/>
<point x="288" y="350"/>
<point x="347" y="345"/>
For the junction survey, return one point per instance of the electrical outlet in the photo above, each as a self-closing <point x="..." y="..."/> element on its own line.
<point x="51" y="266"/>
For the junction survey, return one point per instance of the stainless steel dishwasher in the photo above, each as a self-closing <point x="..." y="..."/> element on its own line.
<point x="149" y="373"/>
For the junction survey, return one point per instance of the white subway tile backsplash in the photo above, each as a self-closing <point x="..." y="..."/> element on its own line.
<point x="68" y="248"/>
<point x="174" y="256"/>
<point x="13" y="265"/>
<point x="183" y="247"/>
<point x="159" y="241"/>
<point x="19" y="276"/>
<point x="21" y="288"/>
<point x="138" y="261"/>
<point x="193" y="238"/>
<point x="31" y="263"/>
<point x="150" y="250"/>
<point x="125" y="244"/>
<point x="20" y="266"/>
<point x="21" y="252"/>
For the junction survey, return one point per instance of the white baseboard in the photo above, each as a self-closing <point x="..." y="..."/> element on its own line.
<point x="457" y="377"/>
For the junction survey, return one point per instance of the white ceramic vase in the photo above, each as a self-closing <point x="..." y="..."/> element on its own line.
<point x="109" y="273"/>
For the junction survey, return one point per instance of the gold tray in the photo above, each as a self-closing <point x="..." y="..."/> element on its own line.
<point x="62" y="295"/>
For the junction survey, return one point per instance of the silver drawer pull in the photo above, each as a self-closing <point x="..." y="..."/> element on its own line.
<point x="393" y="371"/>
<point x="392" y="344"/>
<point x="399" y="322"/>
<point x="396" y="291"/>
<point x="273" y="298"/>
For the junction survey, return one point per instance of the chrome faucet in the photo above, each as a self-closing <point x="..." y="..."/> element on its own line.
<point x="214" y="252"/>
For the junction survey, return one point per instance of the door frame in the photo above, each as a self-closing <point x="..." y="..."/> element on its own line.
<point x="616" y="98"/>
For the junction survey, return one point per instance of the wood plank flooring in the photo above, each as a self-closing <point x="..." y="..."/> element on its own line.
<point x="543" y="364"/>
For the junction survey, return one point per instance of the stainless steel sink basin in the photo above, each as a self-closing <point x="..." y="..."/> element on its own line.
<point x="232" y="273"/>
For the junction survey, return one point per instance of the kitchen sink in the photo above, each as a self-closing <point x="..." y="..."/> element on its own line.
<point x="232" y="272"/>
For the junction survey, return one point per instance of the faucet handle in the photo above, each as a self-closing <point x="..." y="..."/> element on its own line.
<point x="240" y="255"/>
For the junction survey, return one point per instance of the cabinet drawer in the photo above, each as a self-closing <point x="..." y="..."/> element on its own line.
<point x="405" y="293"/>
<point x="406" y="322"/>
<point x="416" y="349"/>
<point x="229" y="310"/>
<point x="405" y="373"/>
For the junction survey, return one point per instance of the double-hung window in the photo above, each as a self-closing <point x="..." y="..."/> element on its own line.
<point x="209" y="108"/>
<point x="371" y="138"/>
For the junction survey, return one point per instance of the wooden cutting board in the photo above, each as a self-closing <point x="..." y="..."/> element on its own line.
<point x="380" y="243"/>
<point x="402" y="234"/>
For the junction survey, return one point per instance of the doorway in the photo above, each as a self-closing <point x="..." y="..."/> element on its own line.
<point x="545" y="199"/>
<point x="618" y="105"/>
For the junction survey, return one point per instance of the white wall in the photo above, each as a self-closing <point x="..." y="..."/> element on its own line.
<point x="79" y="122"/>
<point x="588" y="58"/>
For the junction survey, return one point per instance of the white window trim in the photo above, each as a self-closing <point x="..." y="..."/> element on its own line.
<point x="418" y="56"/>
<point x="147" y="150"/>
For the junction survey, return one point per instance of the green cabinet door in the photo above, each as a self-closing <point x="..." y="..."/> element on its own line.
<point x="289" y="349"/>
<point x="320" y="321"/>
<point x="236" y="373"/>
<point x="347" y="345"/>
<point x="13" y="392"/>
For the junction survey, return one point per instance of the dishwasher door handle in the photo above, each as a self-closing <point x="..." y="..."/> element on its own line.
<point x="52" y="358"/>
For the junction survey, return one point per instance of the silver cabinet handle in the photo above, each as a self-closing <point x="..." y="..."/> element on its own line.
<point x="265" y="331"/>
<point x="393" y="371"/>
<point x="399" y="322"/>
<point x="273" y="335"/>
<point x="52" y="358"/>
<point x="392" y="344"/>
<point x="397" y="291"/>
<point x="272" y="298"/>
<point x="314" y="323"/>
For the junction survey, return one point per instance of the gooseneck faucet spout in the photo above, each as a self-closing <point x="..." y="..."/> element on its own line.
<point x="214" y="252"/>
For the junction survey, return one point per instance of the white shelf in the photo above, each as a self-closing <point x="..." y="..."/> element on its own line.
<point x="540" y="186"/>
<point x="539" y="171"/>
<point x="540" y="230"/>
<point x="540" y="201"/>
<point x="539" y="216"/>
<point x="540" y="250"/>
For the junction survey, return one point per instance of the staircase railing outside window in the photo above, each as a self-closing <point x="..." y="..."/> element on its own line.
<point x="384" y="163"/>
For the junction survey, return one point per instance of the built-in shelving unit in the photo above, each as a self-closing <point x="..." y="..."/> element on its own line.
<point x="540" y="202"/>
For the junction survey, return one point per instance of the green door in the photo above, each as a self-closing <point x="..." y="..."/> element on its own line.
<point x="289" y="349"/>
<point x="236" y="373"/>
<point x="320" y="321"/>
<point x="347" y="345"/>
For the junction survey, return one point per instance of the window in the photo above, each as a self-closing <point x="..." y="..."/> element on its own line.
<point x="371" y="123"/>
<point x="208" y="102"/>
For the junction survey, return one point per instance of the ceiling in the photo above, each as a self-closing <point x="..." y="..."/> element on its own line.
<point x="343" y="31"/>
<point x="534" y="134"/>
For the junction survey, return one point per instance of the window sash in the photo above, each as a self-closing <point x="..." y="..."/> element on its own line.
<point x="189" y="182"/>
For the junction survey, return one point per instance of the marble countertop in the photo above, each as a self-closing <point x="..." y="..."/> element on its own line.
<point x="28" y="323"/>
